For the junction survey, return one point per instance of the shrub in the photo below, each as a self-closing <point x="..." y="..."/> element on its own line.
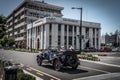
<point x="102" y="54"/>
<point x="22" y="76"/>
<point x="88" y="57"/>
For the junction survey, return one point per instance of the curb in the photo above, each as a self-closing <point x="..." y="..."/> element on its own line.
<point x="100" y="63"/>
<point x="100" y="77"/>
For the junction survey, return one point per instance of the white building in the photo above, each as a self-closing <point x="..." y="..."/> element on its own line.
<point x="56" y="31"/>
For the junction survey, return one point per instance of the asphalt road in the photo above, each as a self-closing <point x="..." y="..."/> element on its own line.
<point x="84" y="70"/>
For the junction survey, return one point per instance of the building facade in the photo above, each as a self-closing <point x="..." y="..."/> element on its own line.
<point x="27" y="12"/>
<point x="56" y="31"/>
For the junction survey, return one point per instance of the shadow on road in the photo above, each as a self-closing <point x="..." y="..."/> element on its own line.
<point x="66" y="69"/>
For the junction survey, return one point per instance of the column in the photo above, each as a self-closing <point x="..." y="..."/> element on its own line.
<point x="54" y="35"/>
<point x="77" y="39"/>
<point x="95" y="38"/>
<point x="62" y="35"/>
<point x="83" y="40"/>
<point x="41" y="38"/>
<point x="30" y="38"/>
<point x="27" y="38"/>
<point x="67" y="36"/>
<point x="73" y="37"/>
<point x="46" y="36"/>
<point x="34" y="38"/>
<point x="91" y="37"/>
<point x="35" y="42"/>
<point x="99" y="38"/>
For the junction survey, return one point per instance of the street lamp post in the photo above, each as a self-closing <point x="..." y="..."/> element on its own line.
<point x="80" y="28"/>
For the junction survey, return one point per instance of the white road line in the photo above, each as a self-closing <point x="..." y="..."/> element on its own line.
<point x="101" y="63"/>
<point x="99" y="77"/>
<point x="45" y="73"/>
<point x="95" y="69"/>
<point x="42" y="72"/>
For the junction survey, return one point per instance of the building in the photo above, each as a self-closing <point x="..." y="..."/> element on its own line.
<point x="103" y="39"/>
<point x="110" y="39"/>
<point x="113" y="39"/>
<point x="56" y="31"/>
<point x="27" y="12"/>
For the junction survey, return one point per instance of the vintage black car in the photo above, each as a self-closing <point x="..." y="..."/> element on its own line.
<point x="59" y="58"/>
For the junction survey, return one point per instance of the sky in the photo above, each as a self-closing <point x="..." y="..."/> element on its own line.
<point x="106" y="12"/>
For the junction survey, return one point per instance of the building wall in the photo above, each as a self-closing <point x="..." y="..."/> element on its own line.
<point x="59" y="34"/>
<point x="27" y="12"/>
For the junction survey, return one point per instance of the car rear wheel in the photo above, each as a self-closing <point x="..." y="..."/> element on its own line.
<point x="57" y="65"/>
<point x="72" y="61"/>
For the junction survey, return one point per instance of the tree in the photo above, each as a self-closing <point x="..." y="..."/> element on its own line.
<point x="7" y="41"/>
<point x="4" y="41"/>
<point x="11" y="41"/>
<point x="2" y="26"/>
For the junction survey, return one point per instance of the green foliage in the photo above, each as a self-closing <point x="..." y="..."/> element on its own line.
<point x="88" y="57"/>
<point x="11" y="41"/>
<point x="2" y="26"/>
<point x="22" y="76"/>
<point x="102" y="54"/>
<point x="7" y="41"/>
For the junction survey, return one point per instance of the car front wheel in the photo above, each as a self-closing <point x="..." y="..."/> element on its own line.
<point x="39" y="61"/>
<point x="57" y="65"/>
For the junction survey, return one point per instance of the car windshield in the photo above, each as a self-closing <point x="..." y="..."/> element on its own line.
<point x="56" y="48"/>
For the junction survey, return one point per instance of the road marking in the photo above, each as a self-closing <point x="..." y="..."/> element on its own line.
<point x="45" y="73"/>
<point x="39" y="73"/>
<point x="101" y="63"/>
<point x="99" y="77"/>
<point x="95" y="69"/>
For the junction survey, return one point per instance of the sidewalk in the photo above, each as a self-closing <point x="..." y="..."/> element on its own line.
<point x="110" y="76"/>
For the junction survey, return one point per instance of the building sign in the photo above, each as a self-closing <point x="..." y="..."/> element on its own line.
<point x="61" y="19"/>
<point x="70" y="20"/>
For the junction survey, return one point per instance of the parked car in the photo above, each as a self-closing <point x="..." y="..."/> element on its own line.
<point x="59" y="59"/>
<point x="116" y="49"/>
<point x="105" y="49"/>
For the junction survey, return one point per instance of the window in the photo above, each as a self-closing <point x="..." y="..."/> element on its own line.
<point x="65" y="40"/>
<point x="65" y="27"/>
<point x="70" y="40"/>
<point x="70" y="28"/>
<point x="50" y="40"/>
<point x="50" y="25"/>
<point x="59" y="40"/>
<point x="59" y="27"/>
<point x="75" y="29"/>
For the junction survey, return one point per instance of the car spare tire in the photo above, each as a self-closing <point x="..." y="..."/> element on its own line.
<point x="72" y="61"/>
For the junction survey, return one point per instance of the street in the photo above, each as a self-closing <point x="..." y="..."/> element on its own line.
<point x="84" y="70"/>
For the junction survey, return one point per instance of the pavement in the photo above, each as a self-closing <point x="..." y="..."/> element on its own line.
<point x="110" y="76"/>
<point x="88" y="70"/>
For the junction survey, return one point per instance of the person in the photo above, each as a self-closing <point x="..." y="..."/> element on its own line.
<point x="71" y="48"/>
